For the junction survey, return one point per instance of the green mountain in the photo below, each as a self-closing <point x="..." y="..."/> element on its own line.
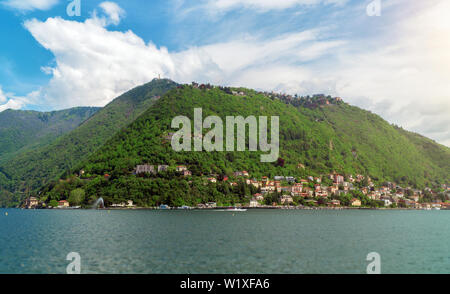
<point x="23" y="130"/>
<point x="322" y="134"/>
<point x="30" y="170"/>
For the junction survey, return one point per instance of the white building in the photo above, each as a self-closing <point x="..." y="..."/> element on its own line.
<point x="254" y="203"/>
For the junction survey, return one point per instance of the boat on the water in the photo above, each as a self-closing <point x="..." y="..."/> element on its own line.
<point x="236" y="209"/>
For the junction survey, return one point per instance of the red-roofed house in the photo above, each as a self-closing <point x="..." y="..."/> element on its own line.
<point x="63" y="203"/>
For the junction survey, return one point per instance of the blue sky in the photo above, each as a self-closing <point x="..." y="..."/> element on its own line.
<point x="395" y="64"/>
<point x="157" y="21"/>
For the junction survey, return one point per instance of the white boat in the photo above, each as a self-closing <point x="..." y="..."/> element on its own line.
<point x="236" y="209"/>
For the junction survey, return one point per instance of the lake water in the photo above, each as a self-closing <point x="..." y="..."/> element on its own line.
<point x="256" y="241"/>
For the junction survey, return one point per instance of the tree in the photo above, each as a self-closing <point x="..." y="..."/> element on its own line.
<point x="53" y="203"/>
<point x="77" y="196"/>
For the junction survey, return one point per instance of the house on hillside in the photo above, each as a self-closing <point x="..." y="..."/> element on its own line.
<point x="31" y="203"/>
<point x="297" y="188"/>
<point x="317" y="188"/>
<point x="255" y="183"/>
<point x="265" y="190"/>
<point x="162" y="168"/>
<point x="415" y="198"/>
<point x="286" y="199"/>
<point x="271" y="186"/>
<point x="241" y="174"/>
<point x="355" y="202"/>
<point x="181" y="168"/>
<point x="334" y="202"/>
<point x="338" y="179"/>
<point x="258" y="197"/>
<point x="290" y="179"/>
<point x="321" y="193"/>
<point x="144" y="169"/>
<point x="187" y="173"/>
<point x="254" y="203"/>
<point x="63" y="204"/>
<point x="333" y="190"/>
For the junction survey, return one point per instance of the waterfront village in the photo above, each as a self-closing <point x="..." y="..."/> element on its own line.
<point x="331" y="191"/>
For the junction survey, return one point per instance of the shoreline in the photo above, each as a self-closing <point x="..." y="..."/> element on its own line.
<point x="232" y="207"/>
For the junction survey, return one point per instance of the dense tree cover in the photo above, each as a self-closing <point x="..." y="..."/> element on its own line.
<point x="77" y="197"/>
<point x="28" y="171"/>
<point x="336" y="137"/>
<point x="175" y="191"/>
<point x="22" y="130"/>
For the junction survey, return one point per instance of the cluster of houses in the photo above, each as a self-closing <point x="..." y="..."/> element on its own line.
<point x="312" y="189"/>
<point x="317" y="100"/>
<point x="33" y="203"/>
<point x="290" y="187"/>
<point x="227" y="90"/>
<point x="155" y="169"/>
<point x="390" y="193"/>
<point x="306" y="101"/>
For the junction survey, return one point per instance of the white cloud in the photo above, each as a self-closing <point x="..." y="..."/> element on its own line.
<point x="12" y="104"/>
<point x="220" y="6"/>
<point x="27" y="5"/>
<point x="238" y="58"/>
<point x="94" y="65"/>
<point x="404" y="77"/>
<point x="407" y="81"/>
<point x="266" y="4"/>
<point x="9" y="101"/>
<point x="114" y="13"/>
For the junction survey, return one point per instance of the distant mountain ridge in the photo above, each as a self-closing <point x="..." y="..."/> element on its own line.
<point x="25" y="129"/>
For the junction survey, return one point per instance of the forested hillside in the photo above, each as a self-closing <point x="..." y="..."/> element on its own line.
<point x="322" y="138"/>
<point x="30" y="170"/>
<point x="21" y="130"/>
